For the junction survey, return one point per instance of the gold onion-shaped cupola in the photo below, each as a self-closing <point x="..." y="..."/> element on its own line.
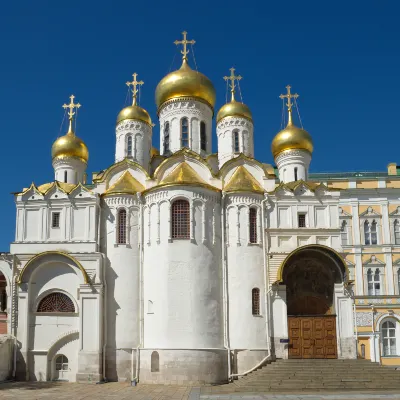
<point x="134" y="112"/>
<point x="185" y="82"/>
<point x="292" y="137"/>
<point x="70" y="145"/>
<point x="234" y="108"/>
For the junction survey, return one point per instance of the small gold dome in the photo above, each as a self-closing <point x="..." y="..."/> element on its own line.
<point x="134" y="112"/>
<point x="291" y="138"/>
<point x="234" y="109"/>
<point x="185" y="83"/>
<point x="70" y="145"/>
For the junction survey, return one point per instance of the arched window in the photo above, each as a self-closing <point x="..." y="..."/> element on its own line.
<point x="184" y="132"/>
<point x="255" y="301"/>
<point x="155" y="362"/>
<point x="344" y="234"/>
<point x="370" y="232"/>
<point x="180" y="219"/>
<point x="374" y="235"/>
<point x="253" y="224"/>
<point x="56" y="303"/>
<point x="61" y="363"/>
<point x="203" y="138"/>
<point x="65" y="176"/>
<point x="236" y="142"/>
<point x="396" y="232"/>
<point x="374" y="282"/>
<point x="166" y="137"/>
<point x="129" y="146"/>
<point x="121" y="232"/>
<point x="389" y="338"/>
<point x="295" y="174"/>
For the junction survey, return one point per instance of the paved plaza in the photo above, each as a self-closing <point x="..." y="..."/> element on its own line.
<point x="75" y="391"/>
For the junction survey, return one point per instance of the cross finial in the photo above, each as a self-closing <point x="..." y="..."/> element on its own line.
<point x="232" y="84"/>
<point x="289" y="96"/>
<point x="184" y="43"/>
<point x="71" y="112"/>
<point x="134" y="85"/>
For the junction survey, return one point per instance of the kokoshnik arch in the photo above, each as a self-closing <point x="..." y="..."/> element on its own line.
<point x="180" y="265"/>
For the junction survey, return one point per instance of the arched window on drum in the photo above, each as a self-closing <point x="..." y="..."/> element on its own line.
<point x="121" y="226"/>
<point x="255" y="301"/>
<point x="180" y="219"/>
<point x="253" y="225"/>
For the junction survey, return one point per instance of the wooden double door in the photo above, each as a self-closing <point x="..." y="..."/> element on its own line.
<point x="312" y="337"/>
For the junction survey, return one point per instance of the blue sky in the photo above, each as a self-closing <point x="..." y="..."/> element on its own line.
<point x="343" y="58"/>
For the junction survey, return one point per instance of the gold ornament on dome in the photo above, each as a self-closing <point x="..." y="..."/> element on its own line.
<point x="185" y="82"/>
<point x="234" y="108"/>
<point x="292" y="137"/>
<point x="70" y="145"/>
<point x="134" y="112"/>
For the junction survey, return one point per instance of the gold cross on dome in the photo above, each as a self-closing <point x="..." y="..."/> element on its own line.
<point x="289" y="96"/>
<point x="184" y="43"/>
<point x="232" y="85"/>
<point x="71" y="107"/>
<point x="134" y="85"/>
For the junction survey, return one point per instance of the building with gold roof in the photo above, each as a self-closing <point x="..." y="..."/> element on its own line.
<point x="181" y="262"/>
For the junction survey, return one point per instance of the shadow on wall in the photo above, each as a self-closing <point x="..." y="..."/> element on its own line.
<point x="6" y="356"/>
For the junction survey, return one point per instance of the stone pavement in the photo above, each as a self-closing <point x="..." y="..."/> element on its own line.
<point x="111" y="391"/>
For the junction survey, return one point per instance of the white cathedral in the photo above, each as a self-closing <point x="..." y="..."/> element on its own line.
<point x="184" y="266"/>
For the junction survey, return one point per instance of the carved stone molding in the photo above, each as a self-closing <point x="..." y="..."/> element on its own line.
<point x="364" y="319"/>
<point x="234" y="122"/>
<point x="133" y="126"/>
<point x="290" y="154"/>
<point x="121" y="200"/>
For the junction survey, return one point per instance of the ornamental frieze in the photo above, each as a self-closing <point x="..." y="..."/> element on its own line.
<point x="364" y="319"/>
<point x="234" y="122"/>
<point x="119" y="200"/>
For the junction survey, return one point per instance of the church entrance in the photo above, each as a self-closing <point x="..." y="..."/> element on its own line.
<point x="310" y="275"/>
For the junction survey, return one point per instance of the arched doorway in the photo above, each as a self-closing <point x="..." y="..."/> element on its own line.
<point x="3" y="304"/>
<point x="310" y="274"/>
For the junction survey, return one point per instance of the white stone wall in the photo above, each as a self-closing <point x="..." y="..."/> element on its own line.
<point x="290" y="161"/>
<point x="226" y="129"/>
<point x="196" y="112"/>
<point x="6" y="356"/>
<point x="141" y="134"/>
<point x="69" y="170"/>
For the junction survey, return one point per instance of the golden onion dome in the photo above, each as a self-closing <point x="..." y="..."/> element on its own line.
<point x="134" y="112"/>
<point x="70" y="145"/>
<point x="185" y="83"/>
<point x="234" y="109"/>
<point x="292" y="138"/>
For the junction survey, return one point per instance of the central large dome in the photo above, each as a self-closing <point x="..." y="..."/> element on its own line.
<point x="185" y="83"/>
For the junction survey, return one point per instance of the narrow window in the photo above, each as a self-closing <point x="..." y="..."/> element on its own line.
<point x="121" y="239"/>
<point x="180" y="219"/>
<point x="129" y="147"/>
<point x="396" y="232"/>
<point x="255" y="301"/>
<point x="367" y="232"/>
<point x="302" y="220"/>
<point x="389" y="338"/>
<point x="295" y="174"/>
<point x="65" y="176"/>
<point x="374" y="282"/>
<point x="155" y="362"/>
<point x="56" y="303"/>
<point x="344" y="234"/>
<point x="55" y="220"/>
<point x="253" y="225"/>
<point x="374" y="235"/>
<point x="203" y="140"/>
<point x="363" y="351"/>
<point x="398" y="281"/>
<point x="166" y="137"/>
<point x="184" y="132"/>
<point x="236" y="141"/>
<point x="61" y="363"/>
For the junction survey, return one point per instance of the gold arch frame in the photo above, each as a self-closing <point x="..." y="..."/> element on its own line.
<point x="309" y="246"/>
<point x="59" y="253"/>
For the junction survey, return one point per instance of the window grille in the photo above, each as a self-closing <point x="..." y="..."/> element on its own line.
<point x="302" y="220"/>
<point x="61" y="363"/>
<point x="255" y="300"/>
<point x="180" y="219"/>
<point x="236" y="141"/>
<point x="370" y="232"/>
<point x="389" y="338"/>
<point x="374" y="282"/>
<point x="185" y="132"/>
<point x="129" y="147"/>
<point x="203" y="139"/>
<point x="56" y="302"/>
<point x="121" y="237"/>
<point x="396" y="232"/>
<point x="253" y="225"/>
<point x="344" y="234"/>
<point x="166" y="137"/>
<point x="55" y="220"/>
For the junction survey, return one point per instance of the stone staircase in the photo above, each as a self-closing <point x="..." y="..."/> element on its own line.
<point x="295" y="375"/>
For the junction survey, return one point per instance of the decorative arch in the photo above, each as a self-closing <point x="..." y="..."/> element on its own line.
<point x="54" y="290"/>
<point x="60" y="341"/>
<point x="382" y="318"/>
<point x="39" y="256"/>
<point x="327" y="250"/>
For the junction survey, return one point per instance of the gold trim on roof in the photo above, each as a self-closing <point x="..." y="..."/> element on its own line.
<point x="292" y="186"/>
<point x="45" y="187"/>
<point x="125" y="184"/>
<point x="243" y="181"/>
<point x="101" y="177"/>
<point x="241" y="156"/>
<point x="182" y="174"/>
